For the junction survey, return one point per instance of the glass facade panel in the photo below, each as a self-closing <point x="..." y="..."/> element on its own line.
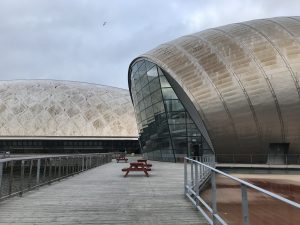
<point x="168" y="93"/>
<point x="166" y="131"/>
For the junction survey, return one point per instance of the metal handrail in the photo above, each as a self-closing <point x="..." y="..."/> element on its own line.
<point x="194" y="196"/>
<point x="44" y="170"/>
<point x="48" y="156"/>
<point x="256" y="158"/>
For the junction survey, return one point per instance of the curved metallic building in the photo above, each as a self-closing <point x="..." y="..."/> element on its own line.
<point x="49" y="108"/>
<point x="239" y="83"/>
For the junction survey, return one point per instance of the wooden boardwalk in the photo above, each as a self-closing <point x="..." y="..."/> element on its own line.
<point x="103" y="196"/>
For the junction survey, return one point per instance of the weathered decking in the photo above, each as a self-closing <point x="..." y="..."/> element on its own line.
<point x="103" y="196"/>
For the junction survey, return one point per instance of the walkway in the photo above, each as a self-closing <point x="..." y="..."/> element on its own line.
<point x="103" y="196"/>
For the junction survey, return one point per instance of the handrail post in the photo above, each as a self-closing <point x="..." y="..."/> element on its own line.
<point x="59" y="167"/>
<point x="22" y="177"/>
<point x="185" y="175"/>
<point x="245" y="205"/>
<point x="196" y="178"/>
<point x="192" y="173"/>
<point x="1" y="175"/>
<point x="214" y="196"/>
<point x="86" y="163"/>
<point x="72" y="165"/>
<point x="30" y="173"/>
<point x="82" y="165"/>
<point x="45" y="170"/>
<point x="78" y="164"/>
<point x="11" y="175"/>
<point x="67" y="166"/>
<point x="38" y="168"/>
<point x="50" y="170"/>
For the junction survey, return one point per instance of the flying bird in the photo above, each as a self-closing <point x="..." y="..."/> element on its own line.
<point x="104" y="23"/>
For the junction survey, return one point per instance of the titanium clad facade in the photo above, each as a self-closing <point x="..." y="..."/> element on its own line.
<point x="243" y="81"/>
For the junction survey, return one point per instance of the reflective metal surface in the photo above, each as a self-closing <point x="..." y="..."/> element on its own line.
<point x="244" y="81"/>
<point x="63" y="108"/>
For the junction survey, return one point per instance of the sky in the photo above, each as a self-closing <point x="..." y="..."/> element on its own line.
<point x="94" y="41"/>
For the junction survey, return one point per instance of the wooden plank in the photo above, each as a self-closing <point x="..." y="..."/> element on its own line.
<point x="103" y="196"/>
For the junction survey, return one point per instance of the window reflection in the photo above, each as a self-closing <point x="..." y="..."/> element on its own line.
<point x="166" y="131"/>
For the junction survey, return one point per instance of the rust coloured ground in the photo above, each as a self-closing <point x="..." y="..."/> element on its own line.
<point x="263" y="209"/>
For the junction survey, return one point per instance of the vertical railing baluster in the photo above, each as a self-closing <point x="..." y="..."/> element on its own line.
<point x="192" y="173"/>
<point x="22" y="177"/>
<point x="78" y="164"/>
<point x="185" y="175"/>
<point x="11" y="177"/>
<point x="54" y="168"/>
<point x="59" y="167"/>
<point x="71" y="165"/>
<point x="214" y="196"/>
<point x="1" y="175"/>
<point x="82" y="164"/>
<point x="38" y="168"/>
<point x="63" y="166"/>
<point x="30" y="174"/>
<point x="196" y="173"/>
<point x="45" y="170"/>
<point x="245" y="205"/>
<point x="86" y="163"/>
<point x="67" y="166"/>
<point x="50" y="170"/>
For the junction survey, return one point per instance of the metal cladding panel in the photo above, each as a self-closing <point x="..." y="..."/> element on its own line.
<point x="64" y="108"/>
<point x="243" y="79"/>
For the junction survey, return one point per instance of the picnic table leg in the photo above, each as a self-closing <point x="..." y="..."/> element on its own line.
<point x="145" y="171"/>
<point x="126" y="173"/>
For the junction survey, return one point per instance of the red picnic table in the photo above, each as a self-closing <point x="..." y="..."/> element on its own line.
<point x="137" y="166"/>
<point x="121" y="158"/>
<point x="145" y="161"/>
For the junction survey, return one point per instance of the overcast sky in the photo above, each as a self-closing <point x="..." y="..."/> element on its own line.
<point x="95" y="40"/>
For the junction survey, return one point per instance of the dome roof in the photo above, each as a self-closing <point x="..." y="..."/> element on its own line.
<point x="64" y="108"/>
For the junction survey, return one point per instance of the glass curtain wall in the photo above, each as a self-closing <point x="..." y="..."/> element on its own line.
<point x="166" y="131"/>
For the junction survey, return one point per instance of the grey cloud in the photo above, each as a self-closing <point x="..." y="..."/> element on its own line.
<point x="66" y="39"/>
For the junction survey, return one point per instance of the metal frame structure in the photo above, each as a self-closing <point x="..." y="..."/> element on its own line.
<point x="198" y="174"/>
<point x="18" y="175"/>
